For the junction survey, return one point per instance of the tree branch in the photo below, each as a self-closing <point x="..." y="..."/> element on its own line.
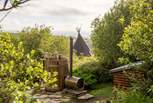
<point x="5" y="16"/>
<point x="14" y="5"/>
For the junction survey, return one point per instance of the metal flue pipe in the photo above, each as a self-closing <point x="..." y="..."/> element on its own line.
<point x="71" y="81"/>
<point x="71" y="55"/>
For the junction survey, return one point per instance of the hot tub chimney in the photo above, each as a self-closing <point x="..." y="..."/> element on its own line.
<point x="71" y="55"/>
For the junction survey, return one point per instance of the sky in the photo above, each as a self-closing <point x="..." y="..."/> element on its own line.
<point x="62" y="15"/>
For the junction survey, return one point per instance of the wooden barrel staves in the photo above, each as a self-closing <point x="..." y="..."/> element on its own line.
<point x="56" y="63"/>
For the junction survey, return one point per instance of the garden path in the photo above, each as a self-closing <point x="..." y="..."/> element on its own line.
<point x="60" y="97"/>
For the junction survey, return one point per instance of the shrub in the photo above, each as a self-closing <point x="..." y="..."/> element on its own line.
<point x="86" y="74"/>
<point x="18" y="71"/>
<point x="37" y="38"/>
<point x="133" y="96"/>
<point x="80" y="60"/>
<point x="93" y="72"/>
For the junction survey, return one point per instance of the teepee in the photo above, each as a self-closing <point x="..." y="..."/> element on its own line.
<point x="80" y="46"/>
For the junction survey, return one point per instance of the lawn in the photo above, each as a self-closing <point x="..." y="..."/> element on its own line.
<point x="104" y="90"/>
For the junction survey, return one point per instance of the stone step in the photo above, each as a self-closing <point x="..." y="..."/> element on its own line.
<point x="75" y="93"/>
<point x="85" y="97"/>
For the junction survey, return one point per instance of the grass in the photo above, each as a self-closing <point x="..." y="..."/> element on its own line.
<point x="104" y="90"/>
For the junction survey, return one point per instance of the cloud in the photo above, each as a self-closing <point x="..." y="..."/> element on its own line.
<point x="63" y="15"/>
<point x="66" y="11"/>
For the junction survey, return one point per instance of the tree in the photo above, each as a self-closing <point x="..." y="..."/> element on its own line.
<point x="32" y="37"/>
<point x="10" y="4"/>
<point x="138" y="35"/>
<point x="138" y="38"/>
<point x="56" y="44"/>
<point x="41" y="38"/>
<point x="107" y="32"/>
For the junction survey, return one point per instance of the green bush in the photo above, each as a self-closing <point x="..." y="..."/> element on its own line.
<point x="132" y="96"/>
<point x="19" y="72"/>
<point x="93" y="73"/>
<point x="41" y="38"/>
<point x="80" y="60"/>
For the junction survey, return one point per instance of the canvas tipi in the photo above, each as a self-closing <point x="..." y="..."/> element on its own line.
<point x="80" y="46"/>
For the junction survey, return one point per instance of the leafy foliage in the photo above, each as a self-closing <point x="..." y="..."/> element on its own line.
<point x="32" y="37"/>
<point x="129" y="25"/>
<point x="132" y="96"/>
<point x="92" y="72"/>
<point x="80" y="60"/>
<point x="18" y="71"/>
<point x="107" y="32"/>
<point x="41" y="38"/>
<point x="138" y="36"/>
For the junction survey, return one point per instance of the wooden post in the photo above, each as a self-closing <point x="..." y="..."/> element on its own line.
<point x="71" y="55"/>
